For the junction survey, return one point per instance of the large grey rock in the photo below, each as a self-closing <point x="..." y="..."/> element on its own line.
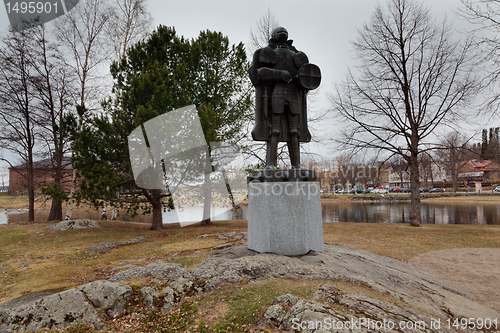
<point x="154" y="299"/>
<point x="169" y="299"/>
<point x="262" y="265"/>
<point x="109" y="296"/>
<point x="274" y="315"/>
<point x="182" y="285"/>
<point x="236" y="252"/>
<point x="74" y="224"/>
<point x="157" y="270"/>
<point x="285" y="218"/>
<point x="67" y="308"/>
<point x="150" y="295"/>
<point x="286" y="300"/>
<point x="366" y="314"/>
<point x="337" y="263"/>
<point x="304" y="312"/>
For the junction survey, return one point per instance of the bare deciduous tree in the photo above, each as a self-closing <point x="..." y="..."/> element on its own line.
<point x="260" y="37"/>
<point x="454" y="148"/>
<point x="485" y="15"/>
<point x="413" y="77"/>
<point x="54" y="92"/>
<point x="82" y="33"/>
<point x="17" y="114"/>
<point x="92" y="32"/>
<point x="399" y="167"/>
<point x="130" y="22"/>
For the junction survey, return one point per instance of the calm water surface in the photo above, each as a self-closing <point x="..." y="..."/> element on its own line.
<point x="449" y="213"/>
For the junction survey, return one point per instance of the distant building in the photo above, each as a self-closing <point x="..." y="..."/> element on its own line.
<point x="43" y="175"/>
<point x="479" y="172"/>
<point x="431" y="175"/>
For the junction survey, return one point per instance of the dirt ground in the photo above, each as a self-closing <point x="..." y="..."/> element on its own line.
<point x="474" y="271"/>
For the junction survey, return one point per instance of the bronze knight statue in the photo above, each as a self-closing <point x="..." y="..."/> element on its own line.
<point x="282" y="77"/>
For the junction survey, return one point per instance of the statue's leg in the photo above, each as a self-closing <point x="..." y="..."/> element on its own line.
<point x="272" y="143"/>
<point x="293" y="143"/>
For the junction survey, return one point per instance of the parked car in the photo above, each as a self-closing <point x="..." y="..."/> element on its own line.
<point x="406" y="190"/>
<point x="497" y="189"/>
<point x="437" y="190"/>
<point x="424" y="189"/>
<point x="395" y="190"/>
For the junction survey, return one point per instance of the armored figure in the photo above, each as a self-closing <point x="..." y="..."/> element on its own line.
<point x="282" y="77"/>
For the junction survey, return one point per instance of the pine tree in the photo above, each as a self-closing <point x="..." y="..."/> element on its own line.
<point x="163" y="73"/>
<point x="484" y="144"/>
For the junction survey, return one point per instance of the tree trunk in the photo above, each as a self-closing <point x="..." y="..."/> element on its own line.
<point x="31" y="189"/>
<point x="55" y="209"/>
<point x="454" y="170"/>
<point x="31" y="201"/>
<point x="155" y="200"/>
<point x="207" y="200"/>
<point x="71" y="203"/>
<point x="415" y="218"/>
<point x="104" y="215"/>
<point x="207" y="192"/>
<point x="114" y="213"/>
<point x="157" y="222"/>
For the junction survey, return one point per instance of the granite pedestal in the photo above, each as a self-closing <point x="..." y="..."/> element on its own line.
<point x="285" y="217"/>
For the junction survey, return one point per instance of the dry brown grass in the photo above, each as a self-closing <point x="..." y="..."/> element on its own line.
<point x="22" y="244"/>
<point x="402" y="242"/>
<point x="68" y="265"/>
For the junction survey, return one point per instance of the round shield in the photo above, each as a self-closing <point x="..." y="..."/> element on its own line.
<point x="309" y="76"/>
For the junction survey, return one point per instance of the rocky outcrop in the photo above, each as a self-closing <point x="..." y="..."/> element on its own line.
<point x="163" y="300"/>
<point x="149" y="294"/>
<point x="108" y="296"/>
<point x="158" y="270"/>
<point x="74" y="224"/>
<point x="412" y="297"/>
<point x="360" y="314"/>
<point x="67" y="308"/>
<point x="337" y="263"/>
<point x="105" y="247"/>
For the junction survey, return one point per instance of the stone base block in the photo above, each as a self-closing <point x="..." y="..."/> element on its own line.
<point x="285" y="218"/>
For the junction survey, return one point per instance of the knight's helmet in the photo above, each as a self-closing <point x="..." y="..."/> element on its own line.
<point x="280" y="35"/>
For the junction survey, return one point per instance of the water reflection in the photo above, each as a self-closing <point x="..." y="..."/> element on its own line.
<point x="450" y="213"/>
<point x="3" y="217"/>
<point x="193" y="213"/>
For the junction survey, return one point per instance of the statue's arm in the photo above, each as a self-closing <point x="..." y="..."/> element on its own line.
<point x="275" y="75"/>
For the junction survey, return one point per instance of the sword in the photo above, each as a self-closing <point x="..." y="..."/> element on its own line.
<point x="265" y="100"/>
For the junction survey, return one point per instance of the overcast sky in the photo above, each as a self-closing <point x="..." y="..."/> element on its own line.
<point x="322" y="29"/>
